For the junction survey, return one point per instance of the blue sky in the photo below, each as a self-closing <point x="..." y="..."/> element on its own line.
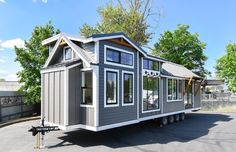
<point x="213" y="20"/>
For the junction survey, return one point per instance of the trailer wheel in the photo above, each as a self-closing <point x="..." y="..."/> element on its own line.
<point x="182" y="116"/>
<point x="171" y="119"/>
<point x="176" y="117"/>
<point x="164" y="121"/>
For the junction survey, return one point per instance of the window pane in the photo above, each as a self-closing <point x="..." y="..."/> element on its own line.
<point x="126" y="58"/>
<point x="169" y="89"/>
<point x="113" y="56"/>
<point x="180" y="95"/>
<point x="174" y="96"/>
<point x="111" y="88"/>
<point x="155" y="66"/>
<point x="150" y="65"/>
<point x="68" y="53"/>
<point x="87" y="90"/>
<point x="145" y="64"/>
<point x="128" y="88"/>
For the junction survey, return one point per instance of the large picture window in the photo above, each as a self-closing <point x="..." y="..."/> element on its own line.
<point x="111" y="87"/>
<point x="150" y="93"/>
<point x="87" y="90"/>
<point x="119" y="57"/>
<point x="174" y="91"/>
<point x="127" y="88"/>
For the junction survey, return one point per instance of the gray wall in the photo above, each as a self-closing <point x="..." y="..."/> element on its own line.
<point x="53" y="97"/>
<point x="77" y="114"/>
<point x="111" y="115"/>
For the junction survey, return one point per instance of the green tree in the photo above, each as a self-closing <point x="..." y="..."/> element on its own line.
<point x="225" y="66"/>
<point x="31" y="59"/>
<point x="128" y="16"/>
<point x="182" y="47"/>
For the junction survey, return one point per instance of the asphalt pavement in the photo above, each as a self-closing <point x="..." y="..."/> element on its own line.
<point x="199" y="132"/>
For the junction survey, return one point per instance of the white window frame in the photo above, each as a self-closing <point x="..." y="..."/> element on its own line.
<point x="64" y="55"/>
<point x="105" y="87"/>
<point x="82" y="76"/>
<point x="122" y="92"/>
<point x="177" y="90"/>
<point x="119" y="50"/>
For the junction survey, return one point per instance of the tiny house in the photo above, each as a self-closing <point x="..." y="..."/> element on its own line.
<point x="107" y="81"/>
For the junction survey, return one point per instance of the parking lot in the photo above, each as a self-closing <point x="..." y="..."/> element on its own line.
<point x="199" y="132"/>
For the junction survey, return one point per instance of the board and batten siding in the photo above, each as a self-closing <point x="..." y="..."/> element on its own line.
<point x="53" y="97"/>
<point x="113" y="115"/>
<point x="77" y="114"/>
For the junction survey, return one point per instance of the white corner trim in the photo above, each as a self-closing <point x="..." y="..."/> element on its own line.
<point x="96" y="94"/>
<point x="86" y="106"/>
<point x="65" y="96"/>
<point x="122" y="92"/>
<point x="119" y="50"/>
<point x="117" y="87"/>
<point x="138" y="88"/>
<point x="97" y="51"/>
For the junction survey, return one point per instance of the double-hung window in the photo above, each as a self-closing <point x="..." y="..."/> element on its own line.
<point x="128" y="86"/>
<point x="86" y="88"/>
<point x="111" y="88"/>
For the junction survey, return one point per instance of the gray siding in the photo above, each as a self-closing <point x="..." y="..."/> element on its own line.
<point x="53" y="97"/>
<point x="112" y="115"/>
<point x="77" y="114"/>
<point x="170" y="106"/>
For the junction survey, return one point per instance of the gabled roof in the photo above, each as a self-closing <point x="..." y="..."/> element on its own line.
<point x="176" y="70"/>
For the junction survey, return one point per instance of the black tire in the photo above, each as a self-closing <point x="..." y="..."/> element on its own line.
<point x="171" y="119"/>
<point x="164" y="121"/>
<point x="182" y="116"/>
<point x="177" y="118"/>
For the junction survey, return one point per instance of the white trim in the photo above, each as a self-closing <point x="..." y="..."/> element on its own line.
<point x="138" y="88"/>
<point x="148" y="111"/>
<point x="64" y="53"/>
<point x="81" y="126"/>
<point x="74" y="65"/>
<point x="117" y="87"/>
<point x="122" y="92"/>
<point x="117" y="125"/>
<point x="153" y="58"/>
<point x="52" y="70"/>
<point x="65" y="96"/>
<point x="96" y="94"/>
<point x="51" y="39"/>
<point x="86" y="69"/>
<point x="86" y="105"/>
<point x="119" y="50"/>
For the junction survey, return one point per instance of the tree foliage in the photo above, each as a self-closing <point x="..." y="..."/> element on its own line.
<point x="182" y="47"/>
<point x="31" y="59"/>
<point x="225" y="67"/>
<point x="128" y="16"/>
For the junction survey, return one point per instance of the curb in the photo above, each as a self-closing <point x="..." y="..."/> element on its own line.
<point x="18" y="121"/>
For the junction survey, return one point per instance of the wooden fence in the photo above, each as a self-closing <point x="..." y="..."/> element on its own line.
<point x="12" y="107"/>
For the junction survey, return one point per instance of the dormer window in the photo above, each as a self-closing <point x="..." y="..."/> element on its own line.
<point x="67" y="53"/>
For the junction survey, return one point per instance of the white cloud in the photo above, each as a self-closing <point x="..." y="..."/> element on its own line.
<point x="11" y="77"/>
<point x="11" y="43"/>
<point x="2" y="1"/>
<point x="2" y="61"/>
<point x="44" y="1"/>
<point x="3" y="72"/>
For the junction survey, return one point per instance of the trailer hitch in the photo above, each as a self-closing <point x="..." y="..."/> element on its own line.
<point x="41" y="129"/>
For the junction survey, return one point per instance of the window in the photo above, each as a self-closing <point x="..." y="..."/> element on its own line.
<point x="150" y="93"/>
<point x="87" y="90"/>
<point x="150" y="65"/>
<point x="180" y="86"/>
<point x="67" y="53"/>
<point x="127" y="88"/>
<point x="111" y="87"/>
<point x="119" y="57"/>
<point x="174" y="89"/>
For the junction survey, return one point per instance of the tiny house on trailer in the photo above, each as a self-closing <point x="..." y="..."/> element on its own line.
<point x="107" y="80"/>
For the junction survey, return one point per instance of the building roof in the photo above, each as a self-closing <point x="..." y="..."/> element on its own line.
<point x="9" y="85"/>
<point x="176" y="70"/>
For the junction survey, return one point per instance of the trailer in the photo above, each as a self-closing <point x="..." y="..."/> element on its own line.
<point x="107" y="81"/>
